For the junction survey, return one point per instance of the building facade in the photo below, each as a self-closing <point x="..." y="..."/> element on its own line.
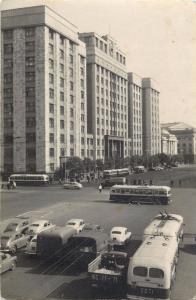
<point x="186" y="136"/>
<point x="135" y="128"/>
<point x="44" y="90"/>
<point x="168" y="143"/>
<point x="151" y="121"/>
<point x="107" y="110"/>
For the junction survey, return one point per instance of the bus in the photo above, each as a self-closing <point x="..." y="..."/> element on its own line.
<point x="169" y="225"/>
<point x="152" y="269"/>
<point x="139" y="169"/>
<point x="116" y="173"/>
<point x="30" y="179"/>
<point x="141" y="194"/>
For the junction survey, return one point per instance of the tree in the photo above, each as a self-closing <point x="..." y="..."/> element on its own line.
<point x="74" y="165"/>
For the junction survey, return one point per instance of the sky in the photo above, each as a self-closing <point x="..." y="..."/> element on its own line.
<point x="158" y="36"/>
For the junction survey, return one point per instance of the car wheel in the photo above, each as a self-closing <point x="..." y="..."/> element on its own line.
<point x="13" y="266"/>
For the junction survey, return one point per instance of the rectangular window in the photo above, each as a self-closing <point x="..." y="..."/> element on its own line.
<point x="61" y="66"/>
<point x="52" y="167"/>
<point x="30" y="76"/>
<point x="82" y="106"/>
<point x="61" y="40"/>
<point x="71" y="72"/>
<point x="51" y="63"/>
<point x="30" y="61"/>
<point x="30" y="91"/>
<point x="61" y="82"/>
<point x="8" y="63"/>
<point x="51" y="93"/>
<point x="82" y="117"/>
<point x="71" y="112"/>
<point x="62" y="110"/>
<point x="71" y="45"/>
<point x="51" y="137"/>
<point x="71" y="99"/>
<point x="82" y="129"/>
<point x="51" y="78"/>
<point x="8" y="77"/>
<point x="82" y="71"/>
<point x="30" y="107"/>
<point x="61" y="54"/>
<point x="8" y="34"/>
<point x="82" y="152"/>
<point x="71" y="152"/>
<point x="71" y="85"/>
<point x="51" y="49"/>
<point x="30" y="32"/>
<point x="8" y="48"/>
<point x="82" y="140"/>
<point x="82" y="83"/>
<point x="30" y="122"/>
<point x="51" y="123"/>
<point x="71" y="59"/>
<point x="62" y="124"/>
<point x="71" y="125"/>
<point x="82" y="60"/>
<point x="30" y="46"/>
<point x="82" y="94"/>
<point x="51" y="34"/>
<point x="71" y="139"/>
<point x="62" y="138"/>
<point x="61" y="96"/>
<point x="8" y="92"/>
<point x="51" y="108"/>
<point x="51" y="152"/>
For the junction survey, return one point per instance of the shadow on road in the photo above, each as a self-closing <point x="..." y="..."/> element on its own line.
<point x="189" y="248"/>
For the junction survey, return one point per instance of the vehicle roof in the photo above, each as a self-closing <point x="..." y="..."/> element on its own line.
<point x="39" y="222"/>
<point x="75" y="220"/>
<point x="28" y="175"/>
<point x="99" y="236"/>
<point x="165" y="226"/>
<point x="155" y="251"/>
<point x="55" y="231"/>
<point x="119" y="228"/>
<point x="155" y="187"/>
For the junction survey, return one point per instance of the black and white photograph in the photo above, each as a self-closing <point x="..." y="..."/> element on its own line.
<point x="98" y="150"/>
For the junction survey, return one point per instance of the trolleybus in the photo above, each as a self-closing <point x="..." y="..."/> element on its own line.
<point x="152" y="269"/>
<point x="30" y="179"/>
<point x="142" y="194"/>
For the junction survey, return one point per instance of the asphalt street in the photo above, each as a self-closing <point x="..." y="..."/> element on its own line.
<point x="35" y="279"/>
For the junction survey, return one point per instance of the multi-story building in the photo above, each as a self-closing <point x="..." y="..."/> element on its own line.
<point x="168" y="143"/>
<point x="186" y="136"/>
<point x="151" y="123"/>
<point x="135" y="130"/>
<point x="107" y="111"/>
<point x="44" y="90"/>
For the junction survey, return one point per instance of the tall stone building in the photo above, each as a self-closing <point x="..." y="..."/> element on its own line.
<point x="44" y="90"/>
<point x="107" y="111"/>
<point x="151" y="122"/>
<point x="135" y="127"/>
<point x="168" y="143"/>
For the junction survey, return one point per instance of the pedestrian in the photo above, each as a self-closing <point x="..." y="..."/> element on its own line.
<point x="100" y="188"/>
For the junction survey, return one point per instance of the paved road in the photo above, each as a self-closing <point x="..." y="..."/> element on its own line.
<point x="34" y="279"/>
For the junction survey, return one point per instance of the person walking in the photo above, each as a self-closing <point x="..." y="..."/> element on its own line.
<point x="100" y="188"/>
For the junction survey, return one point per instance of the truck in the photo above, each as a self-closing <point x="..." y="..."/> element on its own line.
<point x="87" y="245"/>
<point x="54" y="242"/>
<point x="108" y="270"/>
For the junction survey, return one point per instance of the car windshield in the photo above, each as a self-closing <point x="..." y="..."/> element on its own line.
<point x="12" y="225"/>
<point x="5" y="238"/>
<point x="34" y="240"/>
<point x="116" y="232"/>
<point x="71" y="223"/>
<point x="35" y="225"/>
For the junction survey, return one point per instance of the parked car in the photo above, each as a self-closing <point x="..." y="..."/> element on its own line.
<point x="94" y="227"/>
<point x="7" y="262"/>
<point x="11" y="241"/>
<point x="77" y="224"/>
<point x="120" y="235"/>
<point x="74" y="185"/>
<point x="18" y="225"/>
<point x="38" y="226"/>
<point x="31" y="248"/>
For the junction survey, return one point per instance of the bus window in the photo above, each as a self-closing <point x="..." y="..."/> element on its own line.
<point x="140" y="271"/>
<point x="156" y="273"/>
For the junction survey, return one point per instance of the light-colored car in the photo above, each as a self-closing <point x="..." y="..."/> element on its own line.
<point x="120" y="235"/>
<point x="11" y="241"/>
<point x="7" y="262"/>
<point x="77" y="224"/>
<point x="31" y="248"/>
<point x="17" y="225"/>
<point x="72" y="185"/>
<point x="38" y="226"/>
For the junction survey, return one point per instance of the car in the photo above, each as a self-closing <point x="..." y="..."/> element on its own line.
<point x="38" y="226"/>
<point x="31" y="248"/>
<point x="120" y="235"/>
<point x="74" y="185"/>
<point x="7" y="262"/>
<point x="77" y="224"/>
<point x="92" y="227"/>
<point x="11" y="241"/>
<point x="18" y="225"/>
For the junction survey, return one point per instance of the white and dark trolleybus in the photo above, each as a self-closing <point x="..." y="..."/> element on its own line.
<point x="30" y="179"/>
<point x="141" y="194"/>
<point x="152" y="269"/>
<point x="168" y="225"/>
<point x="116" y="173"/>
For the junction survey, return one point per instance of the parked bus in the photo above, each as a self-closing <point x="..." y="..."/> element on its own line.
<point x="152" y="269"/>
<point x="108" y="182"/>
<point x="169" y="225"/>
<point x="139" y="169"/>
<point x="30" y="179"/>
<point x="116" y="173"/>
<point x="54" y="242"/>
<point x="141" y="194"/>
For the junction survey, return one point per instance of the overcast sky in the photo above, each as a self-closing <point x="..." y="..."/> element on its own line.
<point x="159" y="37"/>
